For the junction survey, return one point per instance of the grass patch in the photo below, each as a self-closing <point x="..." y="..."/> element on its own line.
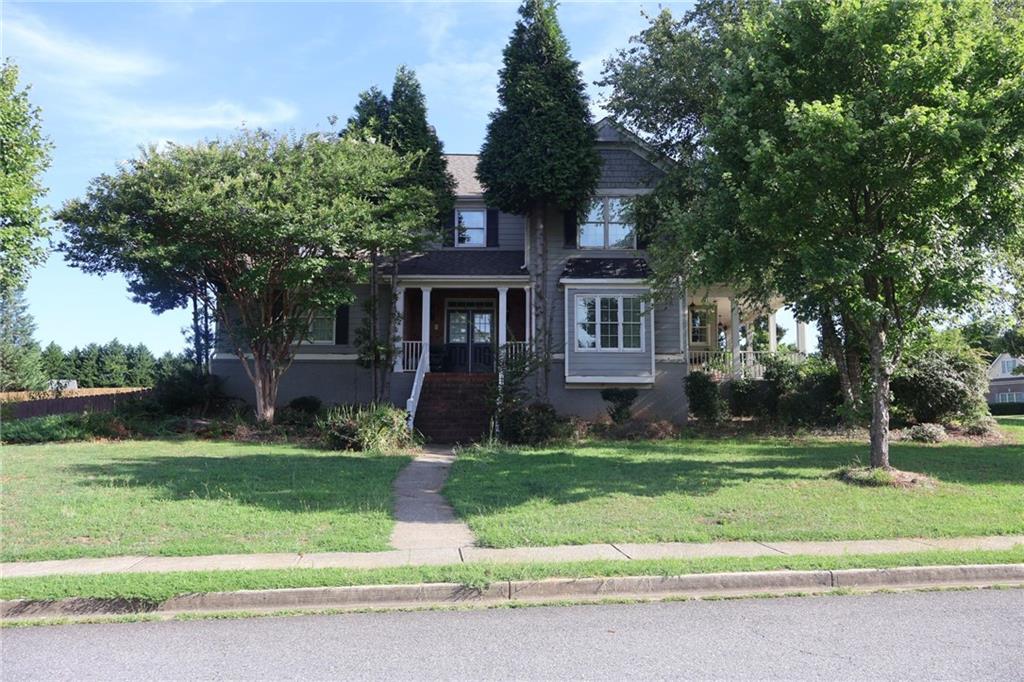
<point x="742" y="488"/>
<point x="154" y="588"/>
<point x="191" y="497"/>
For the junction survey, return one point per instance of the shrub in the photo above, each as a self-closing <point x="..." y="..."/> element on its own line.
<point x="620" y="400"/>
<point x="926" y="433"/>
<point x="532" y="424"/>
<point x="982" y="426"/>
<point x="1002" y="409"/>
<point x="816" y="398"/>
<point x="184" y="391"/>
<point x="750" y="398"/>
<point x="309" y="404"/>
<point x="940" y="384"/>
<point x="63" y="427"/>
<point x="377" y="427"/>
<point x="636" y="429"/>
<point x="704" y="398"/>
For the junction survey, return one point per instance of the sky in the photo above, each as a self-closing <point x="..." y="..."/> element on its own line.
<point x="111" y="76"/>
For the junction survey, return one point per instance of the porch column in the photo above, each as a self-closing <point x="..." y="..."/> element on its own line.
<point x="734" y="333"/>
<point x="528" y="317"/>
<point x="399" y="325"/>
<point x="801" y="337"/>
<point x="684" y="325"/>
<point x="773" y="345"/>
<point x="425" y="325"/>
<point x="502" y="318"/>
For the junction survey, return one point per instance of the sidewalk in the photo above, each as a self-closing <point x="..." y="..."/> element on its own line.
<point x="455" y="555"/>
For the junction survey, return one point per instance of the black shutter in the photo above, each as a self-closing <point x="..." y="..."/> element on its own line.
<point x="492" y="227"/>
<point x="341" y="325"/>
<point x="641" y="238"/>
<point x="448" y="224"/>
<point x="570" y="229"/>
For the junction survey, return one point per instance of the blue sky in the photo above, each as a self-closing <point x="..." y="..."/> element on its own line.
<point x="112" y="76"/>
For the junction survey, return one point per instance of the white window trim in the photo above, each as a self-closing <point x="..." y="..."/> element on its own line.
<point x="712" y="327"/>
<point x="334" y="333"/>
<point x="604" y="199"/>
<point x="597" y="310"/>
<point x="470" y="209"/>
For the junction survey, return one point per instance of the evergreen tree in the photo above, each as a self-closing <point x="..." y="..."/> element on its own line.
<point x="141" y="366"/>
<point x="539" y="153"/>
<point x="21" y="367"/>
<point x="113" y="364"/>
<point x="371" y="114"/>
<point x="54" y="361"/>
<point x="87" y="367"/>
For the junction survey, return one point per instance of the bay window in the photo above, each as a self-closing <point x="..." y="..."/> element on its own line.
<point x="609" y="323"/>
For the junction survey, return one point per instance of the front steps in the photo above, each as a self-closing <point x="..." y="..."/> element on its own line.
<point x="454" y="408"/>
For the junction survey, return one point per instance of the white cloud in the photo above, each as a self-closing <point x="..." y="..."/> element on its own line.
<point x="222" y="114"/>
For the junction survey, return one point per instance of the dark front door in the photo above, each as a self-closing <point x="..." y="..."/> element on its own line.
<point x="470" y="346"/>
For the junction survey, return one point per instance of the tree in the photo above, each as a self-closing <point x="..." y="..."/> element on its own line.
<point x="21" y="367"/>
<point x="87" y="367"/>
<point x="539" y="153"/>
<point x="866" y="155"/>
<point x="113" y="364"/>
<point x="401" y="123"/>
<point x="141" y="366"/>
<point x="24" y="155"/>
<point x="274" y="229"/>
<point x="55" y="362"/>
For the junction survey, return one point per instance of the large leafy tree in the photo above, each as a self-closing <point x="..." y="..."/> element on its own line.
<point x="539" y="153"/>
<point x="275" y="229"/>
<point x="21" y="367"/>
<point x="24" y="155"/>
<point x="861" y="155"/>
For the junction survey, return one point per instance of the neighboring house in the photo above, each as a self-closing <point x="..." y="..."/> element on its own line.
<point x="1003" y="385"/>
<point x="471" y="298"/>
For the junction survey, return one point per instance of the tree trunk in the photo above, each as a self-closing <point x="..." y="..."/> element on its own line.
<point x="265" y="381"/>
<point x="834" y="347"/>
<point x="880" y="373"/>
<point x="542" y="340"/>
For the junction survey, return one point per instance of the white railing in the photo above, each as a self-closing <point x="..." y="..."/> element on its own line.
<point x="516" y="350"/>
<point x="413" y="402"/>
<point x="720" y="362"/>
<point x="409" y="356"/>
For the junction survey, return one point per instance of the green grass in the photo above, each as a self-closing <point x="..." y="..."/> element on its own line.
<point x="701" y="490"/>
<point x="154" y="588"/>
<point x="191" y="497"/>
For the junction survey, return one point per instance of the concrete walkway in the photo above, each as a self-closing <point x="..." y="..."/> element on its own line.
<point x="465" y="554"/>
<point x="423" y="517"/>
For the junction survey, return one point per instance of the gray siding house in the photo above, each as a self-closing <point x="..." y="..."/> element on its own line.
<point x="471" y="298"/>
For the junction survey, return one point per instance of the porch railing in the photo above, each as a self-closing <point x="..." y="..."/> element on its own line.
<point x="720" y="362"/>
<point x="516" y="350"/>
<point x="413" y="403"/>
<point x="408" y="359"/>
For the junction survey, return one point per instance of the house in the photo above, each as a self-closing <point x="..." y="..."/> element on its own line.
<point x="473" y="297"/>
<point x="1003" y="385"/>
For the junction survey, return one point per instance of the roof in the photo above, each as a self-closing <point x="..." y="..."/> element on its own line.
<point x="463" y="262"/>
<point x="606" y="268"/>
<point x="463" y="169"/>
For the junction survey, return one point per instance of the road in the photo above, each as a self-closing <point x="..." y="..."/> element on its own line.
<point x="964" y="635"/>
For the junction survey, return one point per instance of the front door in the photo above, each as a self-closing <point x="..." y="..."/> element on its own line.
<point x="470" y="344"/>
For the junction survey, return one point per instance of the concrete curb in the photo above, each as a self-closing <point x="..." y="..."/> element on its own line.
<point x="555" y="589"/>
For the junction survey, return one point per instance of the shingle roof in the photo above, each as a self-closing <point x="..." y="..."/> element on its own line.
<point x="463" y="169"/>
<point x="606" y="268"/>
<point x="478" y="262"/>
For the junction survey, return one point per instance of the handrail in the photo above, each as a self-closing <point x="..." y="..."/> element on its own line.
<point x="417" y="387"/>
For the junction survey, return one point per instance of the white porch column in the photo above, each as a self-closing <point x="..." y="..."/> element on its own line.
<point x="734" y="334"/>
<point x="528" y="317"/>
<point x="801" y="337"/>
<point x="425" y="325"/>
<point x="397" y="332"/>
<point x="684" y="325"/>
<point x="502" y="318"/>
<point x="773" y="344"/>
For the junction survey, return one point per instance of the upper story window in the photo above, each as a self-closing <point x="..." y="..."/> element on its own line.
<point x="609" y="323"/>
<point x="1009" y="365"/>
<point x="607" y="225"/>
<point x="322" y="329"/>
<point x="470" y="227"/>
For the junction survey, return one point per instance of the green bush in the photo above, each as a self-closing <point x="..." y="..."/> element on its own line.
<point x="705" y="398"/>
<point x="1006" y="408"/>
<point x="183" y="391"/>
<point x="940" y="384"/>
<point x="377" y="427"/>
<point x="308" y="404"/>
<point x="750" y="398"/>
<point x="531" y="424"/>
<point x="926" y="433"/>
<point x="63" y="427"/>
<point x="620" y="400"/>
<point x="982" y="426"/>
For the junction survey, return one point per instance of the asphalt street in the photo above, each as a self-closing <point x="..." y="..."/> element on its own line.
<point x="971" y="635"/>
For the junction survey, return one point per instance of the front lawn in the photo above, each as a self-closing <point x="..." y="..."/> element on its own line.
<point x="191" y="497"/>
<point x="699" y="490"/>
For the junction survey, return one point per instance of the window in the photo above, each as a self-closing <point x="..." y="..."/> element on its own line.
<point x="607" y="226"/>
<point x="322" y="328"/>
<point x="702" y="321"/>
<point x="470" y="227"/>
<point x="609" y="323"/>
<point x="1009" y="365"/>
<point x="1009" y="397"/>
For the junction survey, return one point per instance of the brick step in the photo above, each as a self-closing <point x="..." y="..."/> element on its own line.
<point x="454" y="408"/>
